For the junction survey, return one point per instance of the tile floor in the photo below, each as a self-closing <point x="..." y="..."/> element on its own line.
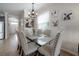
<point x="8" y="47"/>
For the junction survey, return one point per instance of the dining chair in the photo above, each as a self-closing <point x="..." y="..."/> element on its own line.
<point x="52" y="48"/>
<point x="39" y="32"/>
<point x="47" y="33"/>
<point x="27" y="48"/>
<point x="19" y="46"/>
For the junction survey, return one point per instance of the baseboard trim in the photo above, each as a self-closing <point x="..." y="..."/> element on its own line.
<point x="69" y="52"/>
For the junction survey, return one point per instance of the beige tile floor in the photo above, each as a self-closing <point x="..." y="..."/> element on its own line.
<point x="8" y="47"/>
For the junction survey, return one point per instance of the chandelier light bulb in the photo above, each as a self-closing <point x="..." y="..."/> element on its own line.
<point x="28" y="12"/>
<point x="36" y="14"/>
<point x="33" y="12"/>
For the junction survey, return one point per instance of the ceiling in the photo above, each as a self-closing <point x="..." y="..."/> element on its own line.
<point x="17" y="8"/>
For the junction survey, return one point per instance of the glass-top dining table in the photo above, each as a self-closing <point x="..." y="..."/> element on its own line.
<point x="39" y="40"/>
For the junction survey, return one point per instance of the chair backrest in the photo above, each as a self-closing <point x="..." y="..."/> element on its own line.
<point x="27" y="47"/>
<point x="23" y="42"/>
<point x="23" y="39"/>
<point x="55" y="44"/>
<point x="38" y="32"/>
<point x="28" y="32"/>
<point x="47" y="32"/>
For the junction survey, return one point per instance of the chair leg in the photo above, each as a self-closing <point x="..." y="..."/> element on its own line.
<point x="59" y="54"/>
<point x="23" y="53"/>
<point x="37" y="53"/>
<point x="17" y="47"/>
<point x="20" y="50"/>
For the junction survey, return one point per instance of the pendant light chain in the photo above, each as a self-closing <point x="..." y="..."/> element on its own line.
<point x="32" y="6"/>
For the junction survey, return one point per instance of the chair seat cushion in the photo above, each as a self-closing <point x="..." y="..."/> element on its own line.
<point x="32" y="47"/>
<point x="45" y="50"/>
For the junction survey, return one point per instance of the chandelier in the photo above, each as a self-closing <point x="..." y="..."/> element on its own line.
<point x="30" y="19"/>
<point x="32" y="14"/>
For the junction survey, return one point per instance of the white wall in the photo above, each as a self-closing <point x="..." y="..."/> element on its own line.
<point x="71" y="28"/>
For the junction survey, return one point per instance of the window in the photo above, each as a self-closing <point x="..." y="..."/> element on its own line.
<point x="43" y="21"/>
<point x="2" y="29"/>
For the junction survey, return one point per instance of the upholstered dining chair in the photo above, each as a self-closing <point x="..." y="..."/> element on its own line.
<point x="52" y="48"/>
<point x="19" y="46"/>
<point x="27" y="48"/>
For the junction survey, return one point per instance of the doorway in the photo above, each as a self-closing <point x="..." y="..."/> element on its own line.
<point x="13" y="25"/>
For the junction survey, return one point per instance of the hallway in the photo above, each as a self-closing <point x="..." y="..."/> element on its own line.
<point x="8" y="47"/>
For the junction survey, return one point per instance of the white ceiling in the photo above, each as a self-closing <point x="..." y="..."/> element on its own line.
<point x="17" y="8"/>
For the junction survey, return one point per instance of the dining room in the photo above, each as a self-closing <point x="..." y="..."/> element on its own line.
<point x="42" y="29"/>
<point x="51" y="29"/>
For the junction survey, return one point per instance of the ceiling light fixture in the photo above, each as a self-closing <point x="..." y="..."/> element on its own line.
<point x="32" y="14"/>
